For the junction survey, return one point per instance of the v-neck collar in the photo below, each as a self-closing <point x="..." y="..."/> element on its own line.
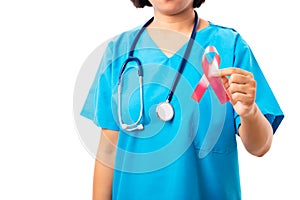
<point x="178" y="51"/>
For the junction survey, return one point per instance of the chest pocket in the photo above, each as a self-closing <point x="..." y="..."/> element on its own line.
<point x="216" y="131"/>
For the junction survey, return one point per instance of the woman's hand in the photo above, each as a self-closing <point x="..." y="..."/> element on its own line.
<point x="241" y="89"/>
<point x="255" y="130"/>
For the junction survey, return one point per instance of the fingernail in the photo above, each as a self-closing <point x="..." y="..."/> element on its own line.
<point x="214" y="72"/>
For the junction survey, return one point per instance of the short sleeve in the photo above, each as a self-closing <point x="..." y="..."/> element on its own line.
<point x="265" y="98"/>
<point x="98" y="105"/>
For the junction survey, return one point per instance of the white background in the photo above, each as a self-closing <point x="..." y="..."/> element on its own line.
<point x="43" y="45"/>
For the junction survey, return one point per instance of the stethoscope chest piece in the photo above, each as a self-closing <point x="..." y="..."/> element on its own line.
<point x="165" y="111"/>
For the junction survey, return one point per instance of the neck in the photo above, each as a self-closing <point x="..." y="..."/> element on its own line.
<point x="182" y="22"/>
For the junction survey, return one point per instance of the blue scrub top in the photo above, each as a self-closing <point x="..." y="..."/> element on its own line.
<point x="194" y="156"/>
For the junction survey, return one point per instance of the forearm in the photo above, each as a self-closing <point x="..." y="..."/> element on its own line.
<point x="256" y="132"/>
<point x="102" y="185"/>
<point x="104" y="165"/>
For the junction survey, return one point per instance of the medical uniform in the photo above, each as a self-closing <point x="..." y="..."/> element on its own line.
<point x="193" y="156"/>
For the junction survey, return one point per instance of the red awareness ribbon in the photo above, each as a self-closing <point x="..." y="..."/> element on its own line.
<point x="209" y="77"/>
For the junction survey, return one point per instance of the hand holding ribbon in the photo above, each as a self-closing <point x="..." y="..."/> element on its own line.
<point x="241" y="88"/>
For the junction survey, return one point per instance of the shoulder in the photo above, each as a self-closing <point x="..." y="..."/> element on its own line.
<point x="225" y="35"/>
<point x="223" y="31"/>
<point x="124" y="37"/>
<point x="120" y="44"/>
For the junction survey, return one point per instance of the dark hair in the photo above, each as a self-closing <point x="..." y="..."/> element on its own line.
<point x="143" y="3"/>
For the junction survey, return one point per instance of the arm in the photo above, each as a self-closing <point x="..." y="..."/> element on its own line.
<point x="255" y="130"/>
<point x="103" y="172"/>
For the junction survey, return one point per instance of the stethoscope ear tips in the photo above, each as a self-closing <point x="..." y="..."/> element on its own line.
<point x="127" y="127"/>
<point x="140" y="127"/>
<point x="124" y="126"/>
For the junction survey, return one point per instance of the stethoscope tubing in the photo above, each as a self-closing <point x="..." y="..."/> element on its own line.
<point x="184" y="60"/>
<point x="136" y="126"/>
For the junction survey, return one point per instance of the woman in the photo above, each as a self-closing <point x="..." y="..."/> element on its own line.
<point x="194" y="154"/>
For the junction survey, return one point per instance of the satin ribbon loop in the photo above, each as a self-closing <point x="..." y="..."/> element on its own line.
<point x="210" y="69"/>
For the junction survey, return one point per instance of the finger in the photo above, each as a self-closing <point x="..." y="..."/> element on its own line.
<point x="225" y="82"/>
<point x="232" y="70"/>
<point x="245" y="99"/>
<point x="243" y="89"/>
<point x="240" y="88"/>
<point x="238" y="78"/>
<point x="246" y="84"/>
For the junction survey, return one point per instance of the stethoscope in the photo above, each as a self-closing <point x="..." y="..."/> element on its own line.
<point x="164" y="110"/>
